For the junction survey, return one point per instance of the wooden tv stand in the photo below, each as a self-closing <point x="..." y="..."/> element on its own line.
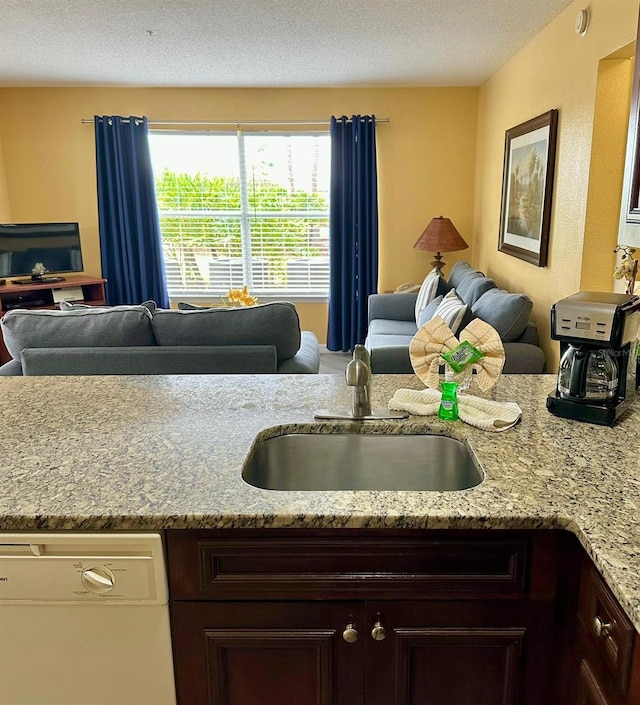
<point x="45" y="295"/>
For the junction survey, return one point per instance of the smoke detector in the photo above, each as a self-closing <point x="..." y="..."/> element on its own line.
<point x="582" y="22"/>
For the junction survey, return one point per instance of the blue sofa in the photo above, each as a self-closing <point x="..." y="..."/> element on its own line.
<point x="86" y="340"/>
<point x="392" y="323"/>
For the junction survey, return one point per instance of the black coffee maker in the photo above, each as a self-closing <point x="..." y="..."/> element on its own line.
<point x="598" y="334"/>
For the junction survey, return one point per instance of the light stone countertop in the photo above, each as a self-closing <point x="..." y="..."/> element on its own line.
<point x="154" y="452"/>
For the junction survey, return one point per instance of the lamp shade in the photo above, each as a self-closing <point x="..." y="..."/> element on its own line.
<point x="441" y="236"/>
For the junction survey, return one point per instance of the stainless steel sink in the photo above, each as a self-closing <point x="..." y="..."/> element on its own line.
<point x="350" y="461"/>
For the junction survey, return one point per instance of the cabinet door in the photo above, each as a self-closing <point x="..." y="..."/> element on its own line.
<point x="465" y="653"/>
<point x="269" y="653"/>
<point x="590" y="690"/>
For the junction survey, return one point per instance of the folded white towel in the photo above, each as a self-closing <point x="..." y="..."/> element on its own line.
<point x="481" y="413"/>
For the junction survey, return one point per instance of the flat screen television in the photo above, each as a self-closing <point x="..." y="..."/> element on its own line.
<point x="39" y="249"/>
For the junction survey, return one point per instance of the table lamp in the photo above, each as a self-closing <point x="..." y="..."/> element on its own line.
<point x="440" y="236"/>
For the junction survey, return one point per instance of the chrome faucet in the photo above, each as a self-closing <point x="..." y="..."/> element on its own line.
<point x="358" y="376"/>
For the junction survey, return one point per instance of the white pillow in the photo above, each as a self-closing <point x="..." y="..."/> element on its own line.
<point x="427" y="292"/>
<point x="452" y="310"/>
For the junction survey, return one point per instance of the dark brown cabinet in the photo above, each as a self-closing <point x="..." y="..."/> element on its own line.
<point x="364" y="618"/>
<point x="296" y="652"/>
<point x="460" y="652"/>
<point x="591" y="690"/>
<point x="276" y="653"/>
<point x="605" y="646"/>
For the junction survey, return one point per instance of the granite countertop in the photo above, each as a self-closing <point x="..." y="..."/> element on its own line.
<point x="153" y="452"/>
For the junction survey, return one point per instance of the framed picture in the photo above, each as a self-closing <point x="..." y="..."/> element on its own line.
<point x="527" y="188"/>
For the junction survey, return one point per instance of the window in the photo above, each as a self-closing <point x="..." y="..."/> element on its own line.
<point x="244" y="208"/>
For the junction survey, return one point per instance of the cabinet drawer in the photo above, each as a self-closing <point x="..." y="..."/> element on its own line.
<point x="271" y="566"/>
<point x="609" y="629"/>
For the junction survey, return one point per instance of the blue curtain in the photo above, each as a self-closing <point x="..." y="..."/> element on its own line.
<point x="130" y="243"/>
<point x="353" y="229"/>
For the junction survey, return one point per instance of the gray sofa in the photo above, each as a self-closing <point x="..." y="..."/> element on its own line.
<point x="392" y="323"/>
<point x="87" y="340"/>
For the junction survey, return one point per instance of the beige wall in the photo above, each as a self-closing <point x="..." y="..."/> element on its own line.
<point x="426" y="156"/>
<point x="556" y="69"/>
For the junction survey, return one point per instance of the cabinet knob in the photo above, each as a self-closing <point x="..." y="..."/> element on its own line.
<point x="601" y="628"/>
<point x="350" y="633"/>
<point x="378" y="632"/>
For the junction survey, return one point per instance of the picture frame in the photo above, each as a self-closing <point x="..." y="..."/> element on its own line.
<point x="527" y="188"/>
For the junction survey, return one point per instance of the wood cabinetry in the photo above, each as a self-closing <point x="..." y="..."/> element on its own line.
<point x="46" y="295"/>
<point x="606" y="646"/>
<point x="468" y="652"/>
<point x="276" y="653"/>
<point x="363" y="617"/>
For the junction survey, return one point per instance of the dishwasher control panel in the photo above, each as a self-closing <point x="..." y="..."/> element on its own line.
<point x="107" y="568"/>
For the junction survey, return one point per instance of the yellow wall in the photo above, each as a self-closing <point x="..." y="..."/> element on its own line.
<point x="611" y="118"/>
<point x="426" y="156"/>
<point x="5" y="213"/>
<point x="442" y="153"/>
<point x="556" y="69"/>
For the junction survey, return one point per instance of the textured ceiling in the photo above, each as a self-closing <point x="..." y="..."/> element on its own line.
<point x="263" y="42"/>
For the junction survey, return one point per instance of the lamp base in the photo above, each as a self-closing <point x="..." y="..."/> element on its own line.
<point x="437" y="262"/>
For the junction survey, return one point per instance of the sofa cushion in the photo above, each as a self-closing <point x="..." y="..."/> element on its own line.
<point x="306" y="360"/>
<point x="459" y="272"/>
<point x="473" y="286"/>
<point x="530" y="334"/>
<point x="386" y="326"/>
<point x="507" y="313"/>
<point x="81" y="327"/>
<point x="391" y="359"/>
<point x="274" y="323"/>
<point x="428" y="291"/>
<point x="383" y="341"/>
<point x="156" y="360"/>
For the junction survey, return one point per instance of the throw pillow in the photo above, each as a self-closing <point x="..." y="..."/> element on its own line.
<point x="428" y="292"/>
<point x="460" y="271"/>
<point x="69" y="306"/>
<point x="507" y="313"/>
<point x="453" y="311"/>
<point x="185" y="306"/>
<point x="471" y="288"/>
<point x="429" y="311"/>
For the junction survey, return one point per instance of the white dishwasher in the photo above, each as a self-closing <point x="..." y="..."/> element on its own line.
<point x="84" y="618"/>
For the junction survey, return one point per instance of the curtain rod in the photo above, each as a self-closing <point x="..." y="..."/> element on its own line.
<point x="220" y="123"/>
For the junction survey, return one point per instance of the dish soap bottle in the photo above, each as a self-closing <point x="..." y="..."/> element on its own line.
<point x="449" y="403"/>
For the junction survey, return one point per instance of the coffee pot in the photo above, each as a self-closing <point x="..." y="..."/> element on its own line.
<point x="587" y="374"/>
<point x="598" y="334"/>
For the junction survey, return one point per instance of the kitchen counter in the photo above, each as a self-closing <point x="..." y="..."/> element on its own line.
<point x="147" y="453"/>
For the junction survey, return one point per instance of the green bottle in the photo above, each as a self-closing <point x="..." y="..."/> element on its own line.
<point x="449" y="403"/>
